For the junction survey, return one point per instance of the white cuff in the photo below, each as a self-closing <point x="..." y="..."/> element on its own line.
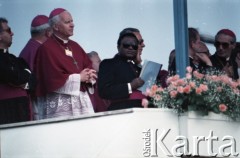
<point x="129" y="88"/>
<point x="28" y="70"/>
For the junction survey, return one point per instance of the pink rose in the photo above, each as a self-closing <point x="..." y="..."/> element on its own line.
<point x="203" y="87"/>
<point x="189" y="69"/>
<point x="176" y="77"/>
<point x="187" y="89"/>
<point x="173" y="78"/>
<point x="199" y="90"/>
<point x="234" y="85"/>
<point x="225" y="79"/>
<point x="192" y="84"/>
<point x="154" y="88"/>
<point x="173" y="94"/>
<point x="180" y="82"/>
<point x="149" y="92"/>
<point x="198" y="75"/>
<point x="180" y="89"/>
<point x="188" y="76"/>
<point x="160" y="89"/>
<point x="222" y="107"/>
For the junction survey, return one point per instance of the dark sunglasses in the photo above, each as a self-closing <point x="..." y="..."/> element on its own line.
<point x="127" y="45"/>
<point x="8" y="30"/>
<point x="224" y="45"/>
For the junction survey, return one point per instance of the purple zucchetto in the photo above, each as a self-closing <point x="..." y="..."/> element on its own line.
<point x="39" y="20"/>
<point x="227" y="32"/>
<point x="56" y="11"/>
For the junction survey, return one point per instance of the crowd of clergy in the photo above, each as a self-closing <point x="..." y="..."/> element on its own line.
<point x="54" y="77"/>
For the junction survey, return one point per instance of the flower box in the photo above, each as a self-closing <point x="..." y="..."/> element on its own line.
<point x="210" y="92"/>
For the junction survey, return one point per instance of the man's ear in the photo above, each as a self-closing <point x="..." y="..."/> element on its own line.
<point x="55" y="27"/>
<point x="118" y="47"/>
<point x="48" y="33"/>
<point x="191" y="44"/>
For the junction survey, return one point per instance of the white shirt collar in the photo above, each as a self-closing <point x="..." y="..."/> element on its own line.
<point x="64" y="41"/>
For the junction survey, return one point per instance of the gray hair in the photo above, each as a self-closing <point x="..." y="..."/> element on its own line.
<point x="54" y="20"/>
<point x="39" y="29"/>
<point x="91" y="54"/>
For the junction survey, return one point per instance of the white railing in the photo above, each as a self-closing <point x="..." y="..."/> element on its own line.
<point x="130" y="133"/>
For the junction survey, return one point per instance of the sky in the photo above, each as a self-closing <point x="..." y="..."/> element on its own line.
<point x="98" y="23"/>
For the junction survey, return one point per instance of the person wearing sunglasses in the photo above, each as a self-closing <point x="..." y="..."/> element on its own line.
<point x="141" y="44"/>
<point x="225" y="42"/>
<point x="118" y="77"/>
<point x="14" y="78"/>
<point x="162" y="75"/>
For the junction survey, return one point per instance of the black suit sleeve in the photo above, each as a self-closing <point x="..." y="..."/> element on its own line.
<point x="111" y="85"/>
<point x="14" y="71"/>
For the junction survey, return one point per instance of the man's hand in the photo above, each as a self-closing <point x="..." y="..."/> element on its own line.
<point x="204" y="58"/>
<point x="136" y="83"/>
<point x="138" y="59"/>
<point x="87" y="75"/>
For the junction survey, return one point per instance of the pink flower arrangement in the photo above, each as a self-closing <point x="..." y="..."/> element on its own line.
<point x="214" y="92"/>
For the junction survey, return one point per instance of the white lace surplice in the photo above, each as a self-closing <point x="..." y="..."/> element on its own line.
<point x="66" y="101"/>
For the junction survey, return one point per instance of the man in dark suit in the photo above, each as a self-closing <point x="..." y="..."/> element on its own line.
<point x="118" y="78"/>
<point x="14" y="78"/>
<point x="225" y="42"/>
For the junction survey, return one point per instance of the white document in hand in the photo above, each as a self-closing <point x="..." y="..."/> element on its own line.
<point x="149" y="74"/>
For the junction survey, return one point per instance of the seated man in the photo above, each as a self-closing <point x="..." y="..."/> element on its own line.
<point x="118" y="78"/>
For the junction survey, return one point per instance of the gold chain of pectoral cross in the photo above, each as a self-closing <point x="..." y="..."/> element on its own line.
<point x="68" y="50"/>
<point x="74" y="61"/>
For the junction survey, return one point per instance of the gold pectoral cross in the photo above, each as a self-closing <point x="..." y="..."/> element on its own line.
<point x="70" y="54"/>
